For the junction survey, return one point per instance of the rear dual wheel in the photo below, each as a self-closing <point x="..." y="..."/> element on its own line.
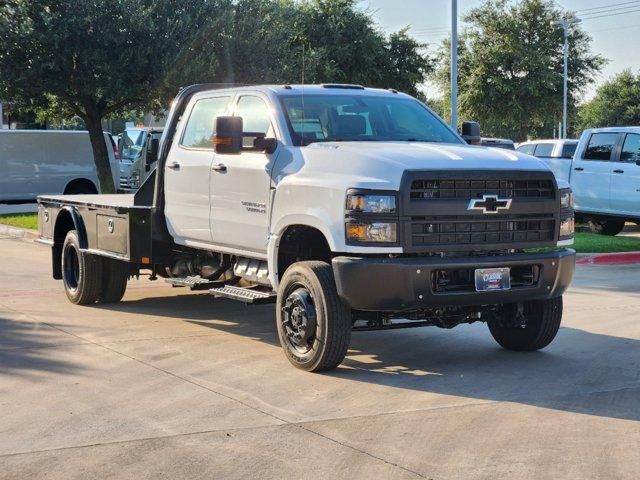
<point x="89" y="278"/>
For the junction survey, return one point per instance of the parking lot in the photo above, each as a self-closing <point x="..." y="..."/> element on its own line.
<point x="170" y="384"/>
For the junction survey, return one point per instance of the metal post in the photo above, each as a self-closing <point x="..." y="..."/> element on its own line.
<point x="565" y="23"/>
<point x="565" y="26"/>
<point x="454" y="64"/>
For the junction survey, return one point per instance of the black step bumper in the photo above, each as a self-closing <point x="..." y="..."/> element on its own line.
<point x="403" y="284"/>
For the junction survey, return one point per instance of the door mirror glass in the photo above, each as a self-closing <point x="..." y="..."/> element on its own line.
<point x="471" y="132"/>
<point x="228" y="136"/>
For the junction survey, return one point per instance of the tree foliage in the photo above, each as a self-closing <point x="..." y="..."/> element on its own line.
<point x="511" y="67"/>
<point x="94" y="59"/>
<point x="616" y="103"/>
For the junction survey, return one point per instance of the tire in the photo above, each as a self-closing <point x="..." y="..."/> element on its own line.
<point x="610" y="226"/>
<point x="115" y="275"/>
<point x="316" y="336"/>
<point x="81" y="272"/>
<point x="79" y="188"/>
<point x="542" y="324"/>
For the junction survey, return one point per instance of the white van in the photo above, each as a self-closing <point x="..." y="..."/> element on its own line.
<point x="37" y="162"/>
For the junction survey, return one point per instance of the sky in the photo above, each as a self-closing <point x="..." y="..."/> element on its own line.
<point x="616" y="37"/>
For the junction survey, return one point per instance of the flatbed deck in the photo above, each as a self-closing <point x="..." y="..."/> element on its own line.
<point x="93" y="200"/>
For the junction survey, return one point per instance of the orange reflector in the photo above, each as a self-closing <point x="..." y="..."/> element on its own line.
<point x="221" y="140"/>
<point x="145" y="260"/>
<point x="356" y="231"/>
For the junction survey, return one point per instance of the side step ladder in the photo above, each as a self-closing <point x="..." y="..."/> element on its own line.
<point x="246" y="295"/>
<point x="194" y="283"/>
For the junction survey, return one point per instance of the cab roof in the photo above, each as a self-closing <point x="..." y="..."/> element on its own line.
<point x="319" y="89"/>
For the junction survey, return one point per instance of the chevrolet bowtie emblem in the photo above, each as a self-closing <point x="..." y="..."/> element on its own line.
<point x="489" y="204"/>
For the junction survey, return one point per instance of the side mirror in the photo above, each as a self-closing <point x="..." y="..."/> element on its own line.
<point x="152" y="153"/>
<point x="228" y="136"/>
<point x="471" y="132"/>
<point x="269" y="145"/>
<point x="638" y="162"/>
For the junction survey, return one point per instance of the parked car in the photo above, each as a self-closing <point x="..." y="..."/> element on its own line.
<point x="347" y="207"/>
<point x="498" y="143"/>
<point x="557" y="153"/>
<point x="604" y="174"/>
<point x="37" y="162"/>
<point x="138" y="149"/>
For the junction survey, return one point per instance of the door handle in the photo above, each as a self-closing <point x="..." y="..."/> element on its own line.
<point x="618" y="171"/>
<point x="221" y="167"/>
<point x="579" y="169"/>
<point x="174" y="166"/>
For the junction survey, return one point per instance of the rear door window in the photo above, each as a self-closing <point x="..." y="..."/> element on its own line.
<point x="544" y="150"/>
<point x="528" y="149"/>
<point x="631" y="148"/>
<point x="201" y="124"/>
<point x="601" y="146"/>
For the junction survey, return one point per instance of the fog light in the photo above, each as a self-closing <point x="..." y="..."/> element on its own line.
<point x="382" y="232"/>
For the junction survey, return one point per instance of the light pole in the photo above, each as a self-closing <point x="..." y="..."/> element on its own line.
<point x="565" y="23"/>
<point x="454" y="64"/>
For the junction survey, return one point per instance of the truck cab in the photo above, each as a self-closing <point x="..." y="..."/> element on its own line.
<point x="350" y="208"/>
<point x="604" y="174"/>
<point x="138" y="151"/>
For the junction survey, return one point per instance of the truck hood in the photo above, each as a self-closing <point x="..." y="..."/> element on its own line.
<point x="421" y="155"/>
<point x="381" y="164"/>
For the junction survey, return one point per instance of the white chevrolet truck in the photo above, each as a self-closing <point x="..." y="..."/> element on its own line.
<point x="350" y="208"/>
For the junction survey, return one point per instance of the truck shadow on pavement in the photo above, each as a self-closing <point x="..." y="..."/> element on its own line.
<point x="581" y="371"/>
<point x="25" y="348"/>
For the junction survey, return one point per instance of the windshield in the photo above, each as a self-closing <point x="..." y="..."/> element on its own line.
<point x="131" y="144"/>
<point x="326" y="118"/>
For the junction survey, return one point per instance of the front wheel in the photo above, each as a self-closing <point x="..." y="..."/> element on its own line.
<point x="536" y="328"/>
<point x="314" y="324"/>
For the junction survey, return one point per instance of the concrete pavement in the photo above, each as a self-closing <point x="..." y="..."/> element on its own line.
<point x="171" y="384"/>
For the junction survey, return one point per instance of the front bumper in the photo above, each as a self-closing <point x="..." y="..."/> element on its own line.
<point x="403" y="284"/>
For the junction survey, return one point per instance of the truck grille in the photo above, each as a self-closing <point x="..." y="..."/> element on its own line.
<point x="467" y="189"/>
<point x="480" y="230"/>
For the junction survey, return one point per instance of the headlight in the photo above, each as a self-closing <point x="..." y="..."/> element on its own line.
<point x="566" y="199"/>
<point x="382" y="232"/>
<point x="366" y="203"/>
<point x="567" y="227"/>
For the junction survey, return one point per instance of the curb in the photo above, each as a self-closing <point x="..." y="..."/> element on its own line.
<point x="622" y="258"/>
<point x="16" y="232"/>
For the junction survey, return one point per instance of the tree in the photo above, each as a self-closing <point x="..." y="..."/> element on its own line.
<point x="511" y="67"/>
<point x="97" y="58"/>
<point x="322" y="41"/>
<point x="94" y="59"/>
<point x="616" y="103"/>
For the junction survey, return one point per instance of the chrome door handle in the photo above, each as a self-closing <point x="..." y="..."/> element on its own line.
<point x="221" y="167"/>
<point x="174" y="166"/>
<point x="579" y="169"/>
<point x="618" y="171"/>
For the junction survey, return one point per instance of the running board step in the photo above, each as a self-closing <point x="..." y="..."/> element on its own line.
<point x="246" y="295"/>
<point x="194" y="283"/>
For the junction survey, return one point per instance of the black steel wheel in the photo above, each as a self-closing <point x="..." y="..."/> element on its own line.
<point x="533" y="328"/>
<point x="314" y="324"/>
<point x="81" y="272"/>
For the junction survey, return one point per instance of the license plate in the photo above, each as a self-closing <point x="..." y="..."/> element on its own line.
<point x="491" y="279"/>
